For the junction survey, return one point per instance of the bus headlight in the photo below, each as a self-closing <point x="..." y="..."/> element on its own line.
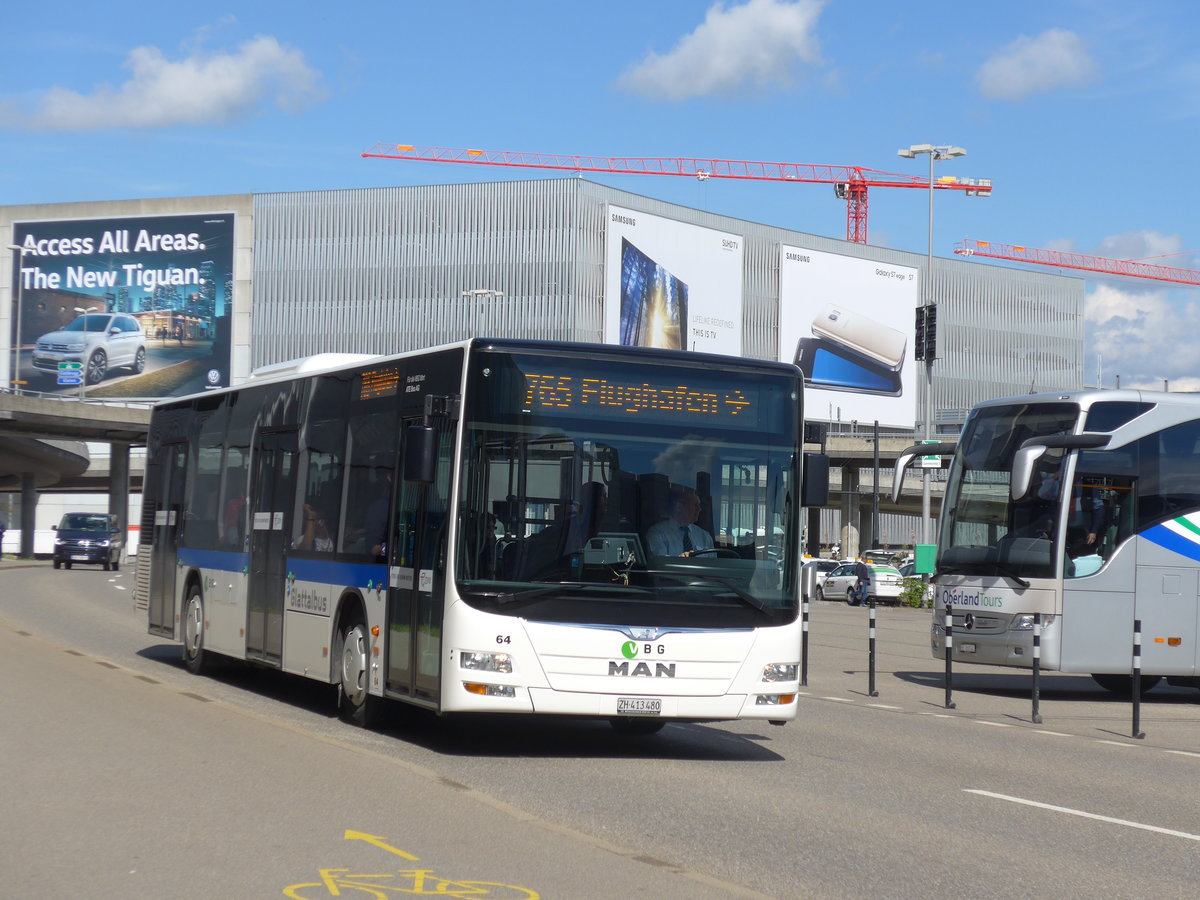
<point x="774" y="699"/>
<point x="485" y="662"/>
<point x="1024" y="622"/>
<point x="779" y="672"/>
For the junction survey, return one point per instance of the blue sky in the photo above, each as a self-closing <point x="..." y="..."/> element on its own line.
<point x="1084" y="114"/>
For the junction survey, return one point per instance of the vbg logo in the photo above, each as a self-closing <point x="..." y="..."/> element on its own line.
<point x="629" y="650"/>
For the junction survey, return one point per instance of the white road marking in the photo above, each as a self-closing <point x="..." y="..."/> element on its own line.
<point x="1086" y="815"/>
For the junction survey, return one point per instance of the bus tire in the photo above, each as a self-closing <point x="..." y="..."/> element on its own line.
<point x="195" y="657"/>
<point x="637" y="725"/>
<point x="355" y="704"/>
<point x="1123" y="684"/>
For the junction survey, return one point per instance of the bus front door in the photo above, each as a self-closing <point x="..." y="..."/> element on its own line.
<point x="272" y="495"/>
<point x="417" y="583"/>
<point x="170" y="481"/>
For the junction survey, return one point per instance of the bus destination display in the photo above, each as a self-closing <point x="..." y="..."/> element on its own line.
<point x="379" y="383"/>
<point x="608" y="398"/>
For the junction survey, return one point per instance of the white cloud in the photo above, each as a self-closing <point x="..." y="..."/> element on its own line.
<point x="1054" y="59"/>
<point x="759" y="44"/>
<point x="205" y="88"/>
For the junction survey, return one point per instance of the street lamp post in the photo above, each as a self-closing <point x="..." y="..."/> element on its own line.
<point x="83" y="371"/>
<point x="481" y="296"/>
<point x="935" y="153"/>
<point x="16" y="369"/>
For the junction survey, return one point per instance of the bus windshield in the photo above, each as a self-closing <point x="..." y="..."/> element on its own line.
<point x="983" y="530"/>
<point x="610" y="492"/>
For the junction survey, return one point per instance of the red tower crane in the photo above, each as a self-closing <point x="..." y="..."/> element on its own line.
<point x="850" y="182"/>
<point x="1068" y="260"/>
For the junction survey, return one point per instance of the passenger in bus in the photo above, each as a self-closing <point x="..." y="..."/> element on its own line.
<point x="1082" y="558"/>
<point x="678" y="534"/>
<point x="549" y="551"/>
<point x="316" y="534"/>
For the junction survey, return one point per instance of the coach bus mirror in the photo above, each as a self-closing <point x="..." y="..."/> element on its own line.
<point x="420" y="453"/>
<point x="814" y="484"/>
<point x="1032" y="450"/>
<point x="906" y="456"/>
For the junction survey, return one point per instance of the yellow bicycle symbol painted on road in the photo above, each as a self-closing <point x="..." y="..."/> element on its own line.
<point x="382" y="885"/>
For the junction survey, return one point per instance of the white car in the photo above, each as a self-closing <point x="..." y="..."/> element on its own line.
<point x="98" y="342"/>
<point x="886" y="583"/>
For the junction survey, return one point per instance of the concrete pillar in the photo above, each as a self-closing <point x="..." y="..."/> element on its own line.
<point x="118" y="488"/>
<point x="29" y="500"/>
<point x="851" y="506"/>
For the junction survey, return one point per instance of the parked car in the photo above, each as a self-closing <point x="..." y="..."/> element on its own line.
<point x="823" y="567"/>
<point x="886" y="583"/>
<point x="98" y="342"/>
<point x="83" y="537"/>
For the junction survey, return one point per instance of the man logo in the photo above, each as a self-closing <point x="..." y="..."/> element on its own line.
<point x="642" y="670"/>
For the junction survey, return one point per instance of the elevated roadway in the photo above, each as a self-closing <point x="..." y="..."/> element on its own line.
<point x="43" y="447"/>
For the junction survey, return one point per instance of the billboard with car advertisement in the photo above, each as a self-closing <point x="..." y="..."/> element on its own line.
<point x="124" y="307"/>
<point x="847" y="323"/>
<point x="672" y="285"/>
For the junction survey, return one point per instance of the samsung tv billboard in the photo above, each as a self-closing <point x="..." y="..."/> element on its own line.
<point x="124" y="307"/>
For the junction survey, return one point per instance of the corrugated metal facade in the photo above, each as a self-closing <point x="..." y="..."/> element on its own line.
<point x="385" y="269"/>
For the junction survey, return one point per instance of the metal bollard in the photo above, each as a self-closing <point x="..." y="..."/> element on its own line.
<point x="1037" y="668"/>
<point x="871" y="692"/>
<point x="1137" y="680"/>
<point x="804" y="644"/>
<point x="949" y="645"/>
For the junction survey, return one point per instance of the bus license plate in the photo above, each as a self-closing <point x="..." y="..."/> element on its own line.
<point x="639" y="706"/>
<point x="967" y="648"/>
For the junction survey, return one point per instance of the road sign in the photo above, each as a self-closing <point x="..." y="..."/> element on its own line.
<point x="70" y="373"/>
<point x="928" y="462"/>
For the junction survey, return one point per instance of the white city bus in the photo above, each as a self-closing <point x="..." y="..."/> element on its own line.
<point x="468" y="529"/>
<point x="1084" y="507"/>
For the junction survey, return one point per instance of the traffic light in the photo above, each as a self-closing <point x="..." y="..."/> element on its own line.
<point x="925" y="344"/>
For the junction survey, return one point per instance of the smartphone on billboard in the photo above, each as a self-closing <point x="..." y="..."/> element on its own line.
<point x="834" y="366"/>
<point x="862" y="334"/>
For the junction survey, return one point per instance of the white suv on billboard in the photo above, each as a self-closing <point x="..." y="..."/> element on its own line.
<point x="99" y="341"/>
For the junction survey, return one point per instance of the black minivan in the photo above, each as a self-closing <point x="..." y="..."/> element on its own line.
<point x="87" y="538"/>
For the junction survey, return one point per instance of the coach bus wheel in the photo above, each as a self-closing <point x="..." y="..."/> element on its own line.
<point x="355" y="704"/>
<point x="194" y="656"/>
<point x="1123" y="684"/>
<point x="637" y="725"/>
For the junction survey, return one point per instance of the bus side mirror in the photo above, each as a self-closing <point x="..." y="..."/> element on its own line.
<point x="906" y="456"/>
<point x="814" y="483"/>
<point x="1033" y="448"/>
<point x="420" y="453"/>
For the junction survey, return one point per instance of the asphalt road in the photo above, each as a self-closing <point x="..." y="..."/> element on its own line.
<point x="126" y="776"/>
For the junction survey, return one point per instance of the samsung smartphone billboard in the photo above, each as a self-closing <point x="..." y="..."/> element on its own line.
<point x="672" y="285"/>
<point x="124" y="307"/>
<point x="847" y="323"/>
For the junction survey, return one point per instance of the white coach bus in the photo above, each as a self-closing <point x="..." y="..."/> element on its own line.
<point x="473" y="528"/>
<point x="1083" y="507"/>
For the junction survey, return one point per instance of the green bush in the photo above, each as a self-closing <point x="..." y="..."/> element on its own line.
<point x="915" y="593"/>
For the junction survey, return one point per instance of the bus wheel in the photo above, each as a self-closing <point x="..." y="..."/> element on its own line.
<point x="355" y="704"/>
<point x="1123" y="684"/>
<point x="637" y="725"/>
<point x="194" y="656"/>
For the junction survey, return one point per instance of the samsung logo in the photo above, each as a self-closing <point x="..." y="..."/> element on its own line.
<point x="798" y="257"/>
<point x="624" y="220"/>
<point x="729" y="245"/>
<point x="642" y="670"/>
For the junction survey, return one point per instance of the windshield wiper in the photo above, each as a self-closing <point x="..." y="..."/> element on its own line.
<point x="745" y="596"/>
<point x="1005" y="572"/>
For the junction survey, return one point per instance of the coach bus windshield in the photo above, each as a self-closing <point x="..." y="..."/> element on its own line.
<point x="983" y="530"/>
<point x="612" y="492"/>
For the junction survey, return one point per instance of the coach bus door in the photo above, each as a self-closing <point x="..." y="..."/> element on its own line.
<point x="417" y="583"/>
<point x="170" y="482"/>
<point x="272" y="495"/>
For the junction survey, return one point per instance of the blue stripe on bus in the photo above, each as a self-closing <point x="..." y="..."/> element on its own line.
<point x="1173" y="541"/>
<point x="219" y="560"/>
<point x="361" y="575"/>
